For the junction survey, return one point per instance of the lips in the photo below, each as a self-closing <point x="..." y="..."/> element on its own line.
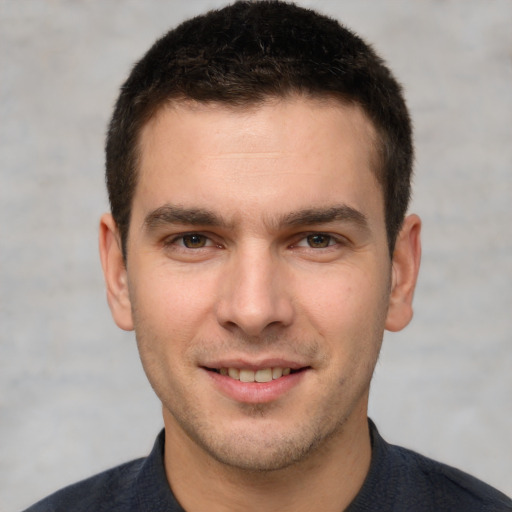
<point x="251" y="380"/>
<point x="263" y="383"/>
<point x="256" y="381"/>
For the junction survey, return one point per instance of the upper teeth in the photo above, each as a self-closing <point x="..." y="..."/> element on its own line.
<point x="265" y="375"/>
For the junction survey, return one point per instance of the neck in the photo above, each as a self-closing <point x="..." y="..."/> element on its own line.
<point x="326" y="480"/>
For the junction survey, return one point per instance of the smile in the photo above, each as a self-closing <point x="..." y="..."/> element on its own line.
<point x="247" y="375"/>
<point x="261" y="383"/>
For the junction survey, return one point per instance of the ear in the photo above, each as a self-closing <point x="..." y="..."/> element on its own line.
<point x="114" y="271"/>
<point x="405" y="267"/>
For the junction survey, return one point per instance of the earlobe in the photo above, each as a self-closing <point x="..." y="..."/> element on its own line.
<point x="405" y="268"/>
<point x="114" y="272"/>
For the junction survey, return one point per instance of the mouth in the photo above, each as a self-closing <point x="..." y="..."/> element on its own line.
<point x="256" y="382"/>
<point x="262" y="375"/>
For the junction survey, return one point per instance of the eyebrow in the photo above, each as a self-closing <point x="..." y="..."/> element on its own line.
<point x="174" y="214"/>
<point x="343" y="213"/>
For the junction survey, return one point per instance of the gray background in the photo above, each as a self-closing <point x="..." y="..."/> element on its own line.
<point x="73" y="398"/>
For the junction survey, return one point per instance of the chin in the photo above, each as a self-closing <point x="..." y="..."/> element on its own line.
<point x="254" y="457"/>
<point x="261" y="449"/>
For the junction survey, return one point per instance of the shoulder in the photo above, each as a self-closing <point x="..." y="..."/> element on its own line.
<point x="110" y="490"/>
<point x="445" y="487"/>
<point x="137" y="486"/>
<point x="401" y="480"/>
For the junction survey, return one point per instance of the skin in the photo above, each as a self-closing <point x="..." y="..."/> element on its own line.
<point x="258" y="239"/>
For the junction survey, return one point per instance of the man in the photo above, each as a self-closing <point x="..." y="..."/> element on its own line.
<point x="258" y="166"/>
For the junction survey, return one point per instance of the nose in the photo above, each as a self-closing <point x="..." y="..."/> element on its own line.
<point x="255" y="299"/>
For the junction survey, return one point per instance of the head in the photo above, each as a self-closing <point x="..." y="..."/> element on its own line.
<point x="258" y="166"/>
<point x="246" y="53"/>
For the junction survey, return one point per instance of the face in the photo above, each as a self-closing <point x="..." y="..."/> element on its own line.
<point x="258" y="279"/>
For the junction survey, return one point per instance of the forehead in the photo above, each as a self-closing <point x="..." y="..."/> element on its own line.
<point x="272" y="152"/>
<point x="286" y="110"/>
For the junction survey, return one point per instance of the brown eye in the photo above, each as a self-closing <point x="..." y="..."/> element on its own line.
<point x="319" y="241"/>
<point x="194" y="241"/>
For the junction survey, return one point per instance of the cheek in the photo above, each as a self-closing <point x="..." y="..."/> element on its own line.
<point x="332" y="293"/>
<point x="350" y="304"/>
<point x="172" y="300"/>
<point x="166" y="313"/>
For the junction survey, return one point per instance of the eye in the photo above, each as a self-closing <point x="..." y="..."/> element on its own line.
<point x="317" y="241"/>
<point x="194" y="241"/>
<point x="192" y="246"/>
<point x="188" y="241"/>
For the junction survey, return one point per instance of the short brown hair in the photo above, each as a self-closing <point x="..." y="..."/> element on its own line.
<point x="243" y="54"/>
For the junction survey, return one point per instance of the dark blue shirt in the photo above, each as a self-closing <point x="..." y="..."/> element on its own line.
<point x="399" y="480"/>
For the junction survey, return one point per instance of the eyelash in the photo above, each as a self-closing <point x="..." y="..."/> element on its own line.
<point x="332" y="240"/>
<point x="173" y="241"/>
